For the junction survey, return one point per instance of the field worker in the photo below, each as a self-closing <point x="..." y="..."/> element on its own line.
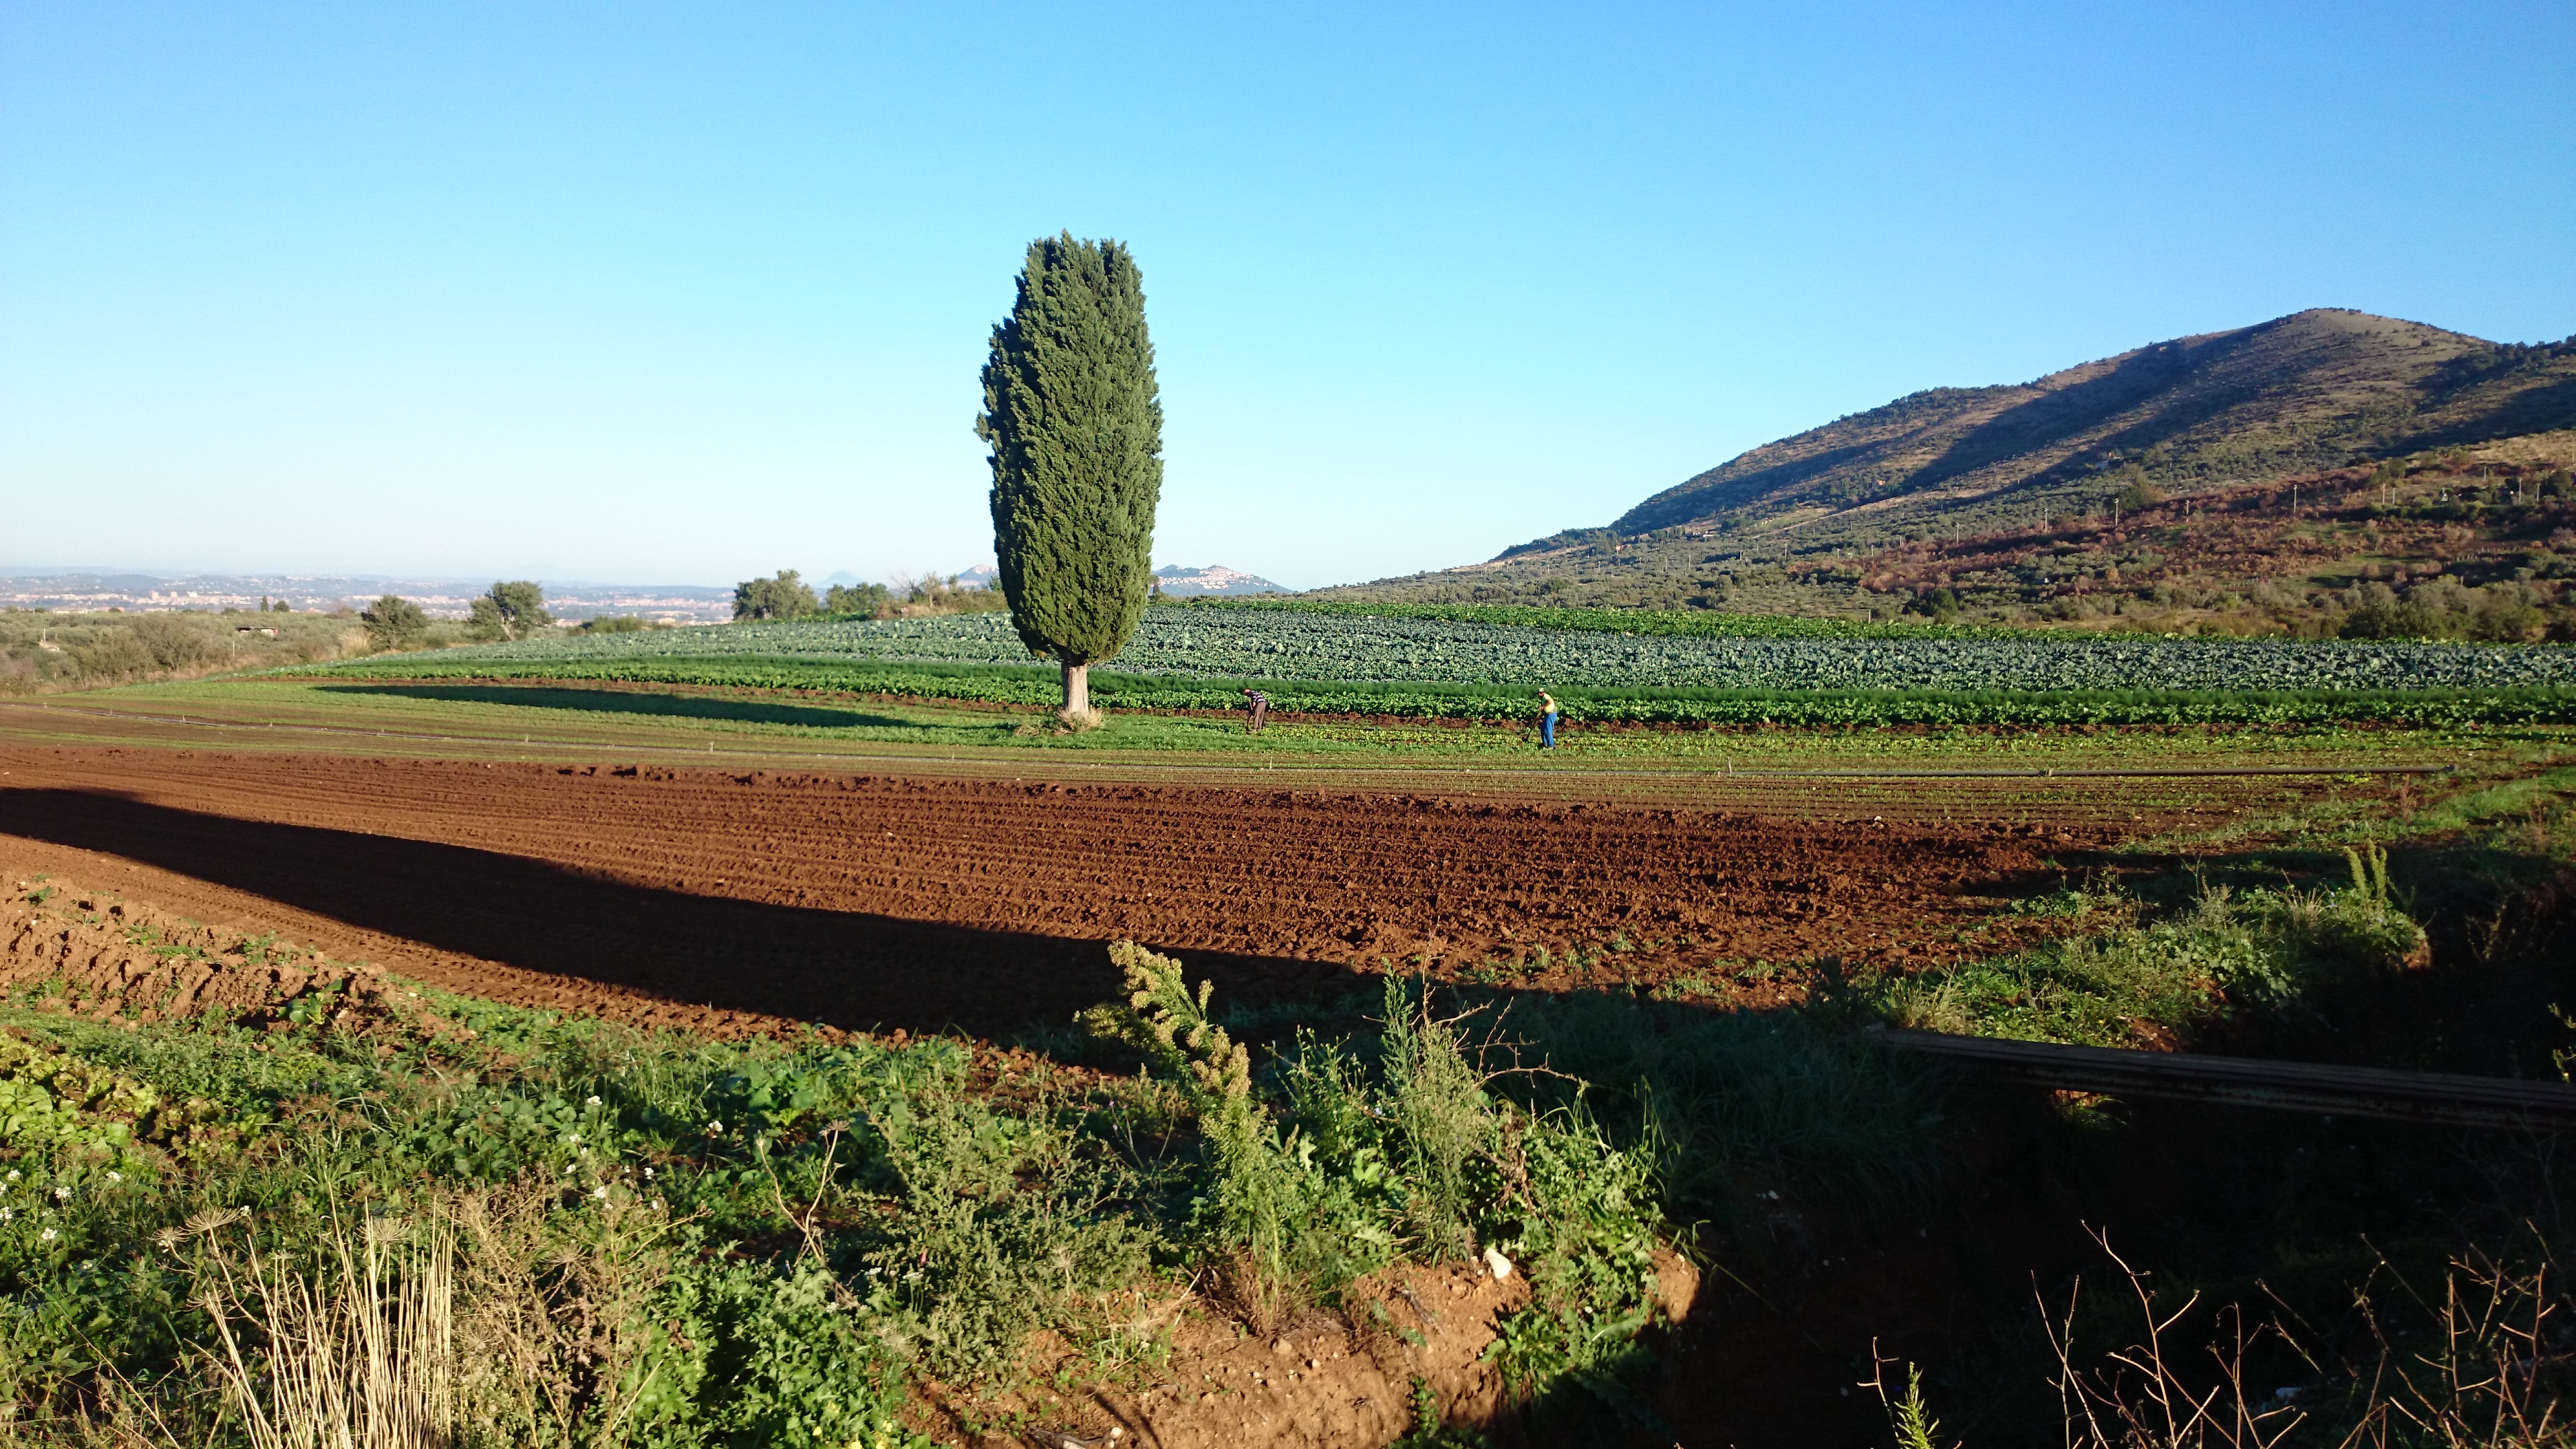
<point x="1257" y="705"/>
<point x="1546" y="720"/>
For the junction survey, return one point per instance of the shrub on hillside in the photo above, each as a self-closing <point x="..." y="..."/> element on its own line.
<point x="782" y="597"/>
<point x="176" y="641"/>
<point x="394" y="623"/>
<point x="111" y="655"/>
<point x="857" y="601"/>
<point x="509" y="610"/>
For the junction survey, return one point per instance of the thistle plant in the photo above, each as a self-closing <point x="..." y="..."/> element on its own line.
<point x="1256" y="1181"/>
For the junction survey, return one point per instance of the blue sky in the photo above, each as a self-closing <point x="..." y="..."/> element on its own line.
<point x="683" y="293"/>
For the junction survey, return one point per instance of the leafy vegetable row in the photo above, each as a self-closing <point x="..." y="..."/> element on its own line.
<point x="1032" y="685"/>
<point x="1329" y="649"/>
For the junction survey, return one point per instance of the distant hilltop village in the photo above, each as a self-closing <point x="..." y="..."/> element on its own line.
<point x="1177" y="582"/>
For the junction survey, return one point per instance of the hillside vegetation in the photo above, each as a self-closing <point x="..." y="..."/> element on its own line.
<point x="2300" y="397"/>
<point x="44" y="650"/>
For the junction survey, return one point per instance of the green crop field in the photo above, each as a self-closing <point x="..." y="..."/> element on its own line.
<point x="1182" y="643"/>
<point x="1336" y="662"/>
<point x="449" y="711"/>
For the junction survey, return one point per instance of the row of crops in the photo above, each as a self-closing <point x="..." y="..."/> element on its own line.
<point x="1194" y="643"/>
<point x="1187" y="657"/>
<point x="1006" y="684"/>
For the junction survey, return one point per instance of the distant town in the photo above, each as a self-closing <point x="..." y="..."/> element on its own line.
<point x="450" y="598"/>
<point x="440" y="598"/>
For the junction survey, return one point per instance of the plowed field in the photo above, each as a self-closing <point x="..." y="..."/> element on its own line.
<point x="731" y="900"/>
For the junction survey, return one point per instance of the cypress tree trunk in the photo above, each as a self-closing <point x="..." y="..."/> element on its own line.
<point x="1072" y="414"/>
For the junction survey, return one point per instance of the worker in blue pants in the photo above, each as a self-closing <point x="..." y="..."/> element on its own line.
<point x="1546" y="720"/>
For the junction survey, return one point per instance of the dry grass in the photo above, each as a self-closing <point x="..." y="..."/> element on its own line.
<point x="358" y="1353"/>
<point x="555" y="1320"/>
<point x="2486" y="1371"/>
<point x="479" y="1319"/>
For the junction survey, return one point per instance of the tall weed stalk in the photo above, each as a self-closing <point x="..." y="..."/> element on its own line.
<point x="358" y="1353"/>
<point x="1254" y="1192"/>
<point x="2485" y="1367"/>
<point x="1446" y="1125"/>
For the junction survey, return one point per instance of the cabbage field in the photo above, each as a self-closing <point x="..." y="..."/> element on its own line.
<point x="1183" y="643"/>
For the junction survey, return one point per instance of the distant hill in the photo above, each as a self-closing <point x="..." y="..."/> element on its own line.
<point x="2316" y="390"/>
<point x="1179" y="582"/>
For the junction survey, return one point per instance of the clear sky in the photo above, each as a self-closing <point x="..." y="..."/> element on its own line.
<point x="666" y="293"/>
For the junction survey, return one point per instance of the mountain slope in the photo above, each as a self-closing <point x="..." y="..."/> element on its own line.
<point x="2304" y="391"/>
<point x="2314" y="390"/>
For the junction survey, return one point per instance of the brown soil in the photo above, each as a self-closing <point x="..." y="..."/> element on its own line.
<point x="1330" y="1380"/>
<point x="116" y="959"/>
<point x="249" y="725"/>
<point x="731" y="901"/>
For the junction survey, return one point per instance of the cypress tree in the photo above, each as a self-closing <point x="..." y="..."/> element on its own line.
<point x="1076" y="428"/>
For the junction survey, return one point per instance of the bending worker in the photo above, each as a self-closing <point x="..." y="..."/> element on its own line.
<point x="1546" y="720"/>
<point x="1257" y="705"/>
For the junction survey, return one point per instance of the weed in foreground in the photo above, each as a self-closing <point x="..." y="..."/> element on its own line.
<point x="359" y="1352"/>
<point x="1419" y="1158"/>
<point x="1253" y="1209"/>
<point x="1909" y="1419"/>
<point x="2478" y="1363"/>
<point x="2132" y="980"/>
<point x="1008" y="1223"/>
<point x="1426" y="1431"/>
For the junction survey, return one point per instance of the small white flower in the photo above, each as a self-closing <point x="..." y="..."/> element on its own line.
<point x="49" y="1235"/>
<point x="648" y="1174"/>
<point x="600" y="1192"/>
<point x="115" y="1176"/>
<point x="591" y="1102"/>
<point x="715" y="1129"/>
<point x="62" y="1193"/>
<point x="13" y="1174"/>
<point x="8" y="1215"/>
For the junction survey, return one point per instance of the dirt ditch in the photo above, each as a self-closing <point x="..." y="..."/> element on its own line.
<point x="1333" y="1378"/>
